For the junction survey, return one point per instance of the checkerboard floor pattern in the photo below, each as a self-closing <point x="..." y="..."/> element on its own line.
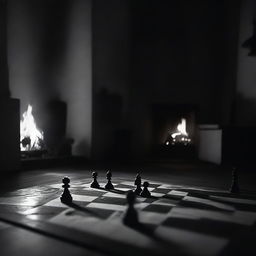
<point x="182" y="217"/>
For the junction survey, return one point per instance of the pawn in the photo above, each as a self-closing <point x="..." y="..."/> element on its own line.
<point x="109" y="185"/>
<point x="137" y="183"/>
<point x="234" y="186"/>
<point x="145" y="192"/>
<point x="66" y="197"/>
<point x="131" y="216"/>
<point x="95" y="183"/>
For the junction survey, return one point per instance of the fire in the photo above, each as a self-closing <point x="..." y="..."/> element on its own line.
<point x="31" y="137"/>
<point x="180" y="135"/>
<point x="181" y="129"/>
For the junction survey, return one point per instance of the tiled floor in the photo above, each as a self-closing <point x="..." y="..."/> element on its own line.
<point x="29" y="185"/>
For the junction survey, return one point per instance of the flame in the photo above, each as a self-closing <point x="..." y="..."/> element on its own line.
<point x="181" y="129"/>
<point x="31" y="137"/>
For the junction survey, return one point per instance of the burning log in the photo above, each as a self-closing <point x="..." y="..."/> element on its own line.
<point x="26" y="142"/>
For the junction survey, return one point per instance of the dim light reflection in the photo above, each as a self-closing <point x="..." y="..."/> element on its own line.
<point x="31" y="201"/>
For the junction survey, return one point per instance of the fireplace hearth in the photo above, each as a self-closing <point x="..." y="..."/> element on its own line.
<point x="174" y="131"/>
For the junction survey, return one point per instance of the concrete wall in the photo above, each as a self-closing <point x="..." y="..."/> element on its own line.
<point x="50" y="58"/>
<point x="77" y="78"/>
<point x="164" y="52"/>
<point x="9" y="108"/>
<point x="181" y="55"/>
<point x="109" y="61"/>
<point x="111" y="76"/>
<point x="246" y="69"/>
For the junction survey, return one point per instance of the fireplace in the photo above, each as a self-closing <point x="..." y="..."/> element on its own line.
<point x="174" y="130"/>
<point x="43" y="132"/>
<point x="31" y="137"/>
<point x="178" y="135"/>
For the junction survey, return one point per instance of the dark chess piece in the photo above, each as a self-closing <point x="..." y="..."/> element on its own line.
<point x="145" y="192"/>
<point x="234" y="186"/>
<point x="109" y="185"/>
<point x="66" y="197"/>
<point x="137" y="183"/>
<point x="131" y="216"/>
<point x="95" y="183"/>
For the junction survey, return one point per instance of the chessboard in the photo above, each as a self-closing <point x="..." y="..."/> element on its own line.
<point x="176" y="220"/>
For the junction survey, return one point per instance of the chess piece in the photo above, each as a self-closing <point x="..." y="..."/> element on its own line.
<point x="145" y="192"/>
<point x="109" y="185"/>
<point x="234" y="186"/>
<point x="131" y="216"/>
<point x="66" y="197"/>
<point x="137" y="183"/>
<point x="95" y="183"/>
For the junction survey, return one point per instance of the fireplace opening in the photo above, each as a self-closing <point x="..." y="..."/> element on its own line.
<point x="174" y="131"/>
<point x="179" y="136"/>
<point x="44" y="134"/>
<point x="31" y="137"/>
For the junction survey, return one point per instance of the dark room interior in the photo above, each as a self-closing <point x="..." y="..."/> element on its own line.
<point x="128" y="127"/>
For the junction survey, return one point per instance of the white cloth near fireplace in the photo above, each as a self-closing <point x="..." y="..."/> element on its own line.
<point x="210" y="143"/>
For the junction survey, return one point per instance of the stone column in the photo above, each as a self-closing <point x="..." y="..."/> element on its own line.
<point x="9" y="108"/>
<point x="4" y="77"/>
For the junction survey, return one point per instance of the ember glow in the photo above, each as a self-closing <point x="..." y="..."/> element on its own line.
<point x="30" y="136"/>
